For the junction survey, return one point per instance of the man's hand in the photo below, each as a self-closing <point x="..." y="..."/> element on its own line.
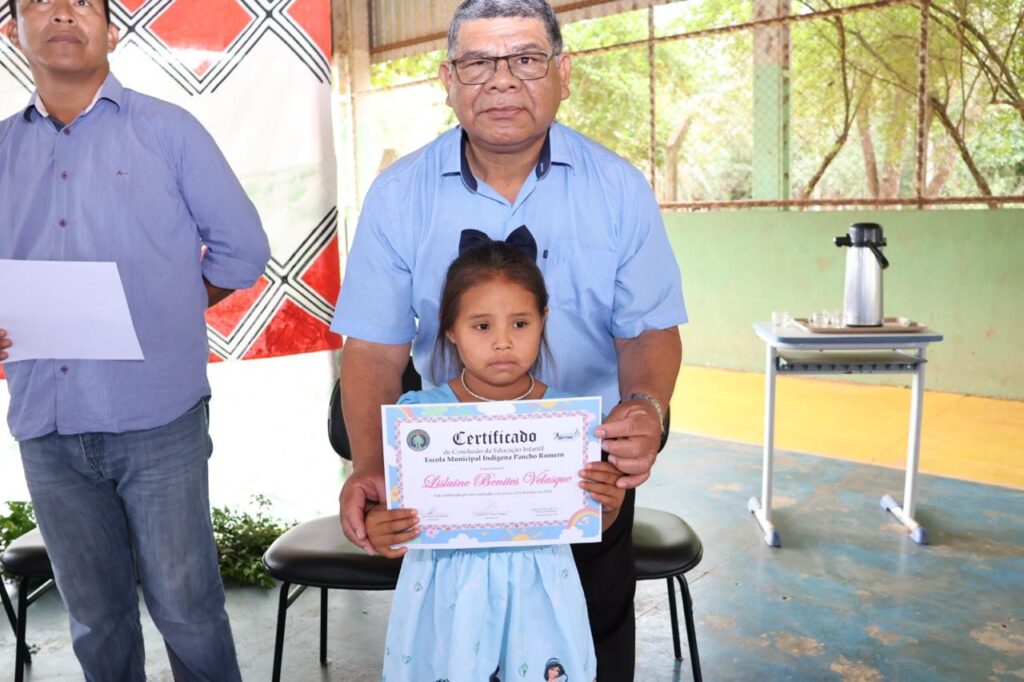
<point x="361" y="492"/>
<point x="632" y="434"/>
<point x="387" y="527"/>
<point x="4" y="343"/>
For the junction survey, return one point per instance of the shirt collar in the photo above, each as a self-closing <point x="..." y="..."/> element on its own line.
<point x="555" y="150"/>
<point x="110" y="90"/>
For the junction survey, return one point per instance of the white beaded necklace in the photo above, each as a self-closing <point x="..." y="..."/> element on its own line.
<point x="462" y="377"/>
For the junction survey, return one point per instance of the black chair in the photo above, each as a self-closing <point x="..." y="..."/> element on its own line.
<point x="27" y="560"/>
<point x="664" y="546"/>
<point x="317" y="554"/>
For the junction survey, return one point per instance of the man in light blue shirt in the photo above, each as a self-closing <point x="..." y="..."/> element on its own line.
<point x="615" y="292"/>
<point x="115" y="453"/>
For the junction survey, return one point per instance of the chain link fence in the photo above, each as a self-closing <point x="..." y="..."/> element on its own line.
<point x="805" y="104"/>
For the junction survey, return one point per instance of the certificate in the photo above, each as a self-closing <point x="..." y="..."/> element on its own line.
<point x="494" y="474"/>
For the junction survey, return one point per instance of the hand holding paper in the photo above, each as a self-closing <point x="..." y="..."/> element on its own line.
<point x="66" y="310"/>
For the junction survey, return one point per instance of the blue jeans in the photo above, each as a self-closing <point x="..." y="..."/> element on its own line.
<point x="116" y="506"/>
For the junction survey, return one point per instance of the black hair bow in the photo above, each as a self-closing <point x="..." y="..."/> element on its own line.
<point x="520" y="238"/>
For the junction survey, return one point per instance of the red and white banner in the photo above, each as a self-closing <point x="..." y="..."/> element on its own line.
<point x="257" y="74"/>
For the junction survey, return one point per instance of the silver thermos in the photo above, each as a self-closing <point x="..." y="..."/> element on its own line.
<point x="862" y="301"/>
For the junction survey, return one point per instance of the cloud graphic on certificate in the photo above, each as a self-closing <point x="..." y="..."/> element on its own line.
<point x="571" y="535"/>
<point x="462" y="540"/>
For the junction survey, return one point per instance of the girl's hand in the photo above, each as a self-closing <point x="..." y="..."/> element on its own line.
<point x="599" y="479"/>
<point x="386" y="527"/>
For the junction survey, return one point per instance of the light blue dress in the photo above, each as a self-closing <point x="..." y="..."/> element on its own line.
<point x="487" y="615"/>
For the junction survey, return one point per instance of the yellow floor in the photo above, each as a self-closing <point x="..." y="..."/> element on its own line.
<point x="965" y="437"/>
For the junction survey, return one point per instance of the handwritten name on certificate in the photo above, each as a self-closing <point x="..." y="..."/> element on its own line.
<point x="494" y="474"/>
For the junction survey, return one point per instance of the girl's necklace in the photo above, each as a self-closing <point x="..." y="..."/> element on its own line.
<point x="462" y="377"/>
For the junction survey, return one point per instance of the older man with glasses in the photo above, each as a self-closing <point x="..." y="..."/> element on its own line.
<point x="616" y="296"/>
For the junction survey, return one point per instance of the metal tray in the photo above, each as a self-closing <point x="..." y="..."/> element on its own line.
<point x="890" y="325"/>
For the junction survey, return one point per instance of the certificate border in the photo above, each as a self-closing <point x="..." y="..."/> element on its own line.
<point x="586" y="520"/>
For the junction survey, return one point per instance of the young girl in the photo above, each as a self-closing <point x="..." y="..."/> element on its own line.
<point x="473" y="615"/>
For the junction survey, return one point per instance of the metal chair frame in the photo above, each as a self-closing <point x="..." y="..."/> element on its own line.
<point x="18" y="621"/>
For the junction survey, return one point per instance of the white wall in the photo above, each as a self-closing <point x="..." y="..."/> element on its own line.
<point x="268" y="420"/>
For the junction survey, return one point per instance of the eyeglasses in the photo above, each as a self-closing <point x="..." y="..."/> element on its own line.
<point x="526" y="66"/>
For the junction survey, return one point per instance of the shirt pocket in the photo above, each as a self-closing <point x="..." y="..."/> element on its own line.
<point x="581" y="282"/>
<point x="114" y="197"/>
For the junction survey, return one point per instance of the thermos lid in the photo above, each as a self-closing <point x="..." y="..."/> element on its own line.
<point x="863" y="234"/>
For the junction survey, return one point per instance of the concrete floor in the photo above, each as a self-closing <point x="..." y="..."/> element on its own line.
<point x="848" y="597"/>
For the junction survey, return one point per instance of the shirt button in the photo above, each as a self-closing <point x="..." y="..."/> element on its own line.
<point x="64" y="175"/>
<point x="67" y="131"/>
<point x="63" y="369"/>
<point x="62" y="222"/>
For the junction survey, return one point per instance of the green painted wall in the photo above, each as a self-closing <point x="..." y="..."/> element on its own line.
<point x="961" y="272"/>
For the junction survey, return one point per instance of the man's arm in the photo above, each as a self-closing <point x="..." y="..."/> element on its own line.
<point x="215" y="294"/>
<point x="648" y="364"/>
<point x="371" y="376"/>
<point x="4" y="344"/>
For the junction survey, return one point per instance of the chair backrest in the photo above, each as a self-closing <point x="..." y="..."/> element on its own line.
<point x="336" y="431"/>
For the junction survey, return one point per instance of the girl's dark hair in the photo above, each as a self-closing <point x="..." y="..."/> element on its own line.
<point x="12" y="5"/>
<point x="487" y="262"/>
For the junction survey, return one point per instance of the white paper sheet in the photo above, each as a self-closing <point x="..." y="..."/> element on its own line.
<point x="65" y="310"/>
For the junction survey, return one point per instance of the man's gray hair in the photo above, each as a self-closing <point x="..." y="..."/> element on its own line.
<point x="493" y="9"/>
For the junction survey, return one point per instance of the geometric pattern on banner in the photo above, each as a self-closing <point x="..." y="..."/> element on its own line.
<point x="199" y="44"/>
<point x="11" y="60"/>
<point x="200" y="54"/>
<point x="289" y="310"/>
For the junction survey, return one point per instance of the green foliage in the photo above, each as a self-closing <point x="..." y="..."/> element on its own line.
<point x="405" y="69"/>
<point x="242" y="538"/>
<point x="852" y="98"/>
<point x="18" y="520"/>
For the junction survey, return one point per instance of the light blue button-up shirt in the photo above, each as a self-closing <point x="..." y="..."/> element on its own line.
<point x="602" y="247"/>
<point x="139" y="182"/>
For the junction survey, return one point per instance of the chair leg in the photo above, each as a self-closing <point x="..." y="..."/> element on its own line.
<point x="11" y="616"/>
<point x="323" y="626"/>
<point x="282" y="615"/>
<point x="21" y="647"/>
<point x="9" y="610"/>
<point x="691" y="628"/>
<point x="8" y="607"/>
<point x="675" y="619"/>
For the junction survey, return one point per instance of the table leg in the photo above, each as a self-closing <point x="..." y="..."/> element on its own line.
<point x="905" y="513"/>
<point x="762" y="510"/>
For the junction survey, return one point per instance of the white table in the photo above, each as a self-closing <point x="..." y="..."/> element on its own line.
<point x="793" y="350"/>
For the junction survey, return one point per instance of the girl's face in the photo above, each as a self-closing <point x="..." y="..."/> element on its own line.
<point x="497" y="333"/>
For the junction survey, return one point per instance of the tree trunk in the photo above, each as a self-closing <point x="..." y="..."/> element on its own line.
<point x="867" y="147"/>
<point x="940" y="111"/>
<point x="942" y="173"/>
<point x="672" y="149"/>
<point x="892" y="166"/>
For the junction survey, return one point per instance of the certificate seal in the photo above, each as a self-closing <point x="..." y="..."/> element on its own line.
<point x="418" y="440"/>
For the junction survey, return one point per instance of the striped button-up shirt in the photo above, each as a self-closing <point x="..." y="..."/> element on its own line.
<point x="139" y="182"/>
<point x="607" y="262"/>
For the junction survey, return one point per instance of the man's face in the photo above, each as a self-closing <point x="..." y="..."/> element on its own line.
<point x="505" y="113"/>
<point x="63" y="37"/>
